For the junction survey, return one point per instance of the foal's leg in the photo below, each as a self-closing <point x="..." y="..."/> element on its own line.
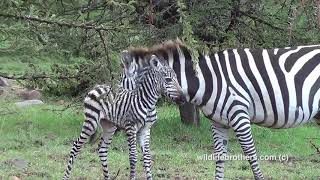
<point x="132" y="142"/>
<point x="89" y="128"/>
<point x="106" y="139"/>
<point x="144" y="141"/>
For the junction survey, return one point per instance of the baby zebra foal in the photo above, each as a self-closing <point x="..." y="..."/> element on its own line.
<point x="126" y="109"/>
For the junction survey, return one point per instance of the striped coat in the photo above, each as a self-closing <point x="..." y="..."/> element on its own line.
<point x="275" y="88"/>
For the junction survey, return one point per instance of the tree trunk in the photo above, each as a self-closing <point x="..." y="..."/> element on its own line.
<point x="189" y="114"/>
<point x="318" y="13"/>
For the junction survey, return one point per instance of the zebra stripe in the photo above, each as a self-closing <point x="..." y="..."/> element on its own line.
<point x="128" y="110"/>
<point x="275" y="88"/>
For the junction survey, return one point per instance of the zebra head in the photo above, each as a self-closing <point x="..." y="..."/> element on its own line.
<point x="167" y="81"/>
<point x="135" y="69"/>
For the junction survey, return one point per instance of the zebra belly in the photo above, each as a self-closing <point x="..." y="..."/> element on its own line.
<point x="293" y="111"/>
<point x="282" y="121"/>
<point x="214" y="115"/>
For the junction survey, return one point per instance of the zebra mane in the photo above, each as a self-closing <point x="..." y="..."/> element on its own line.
<point x="158" y="50"/>
<point x="161" y="51"/>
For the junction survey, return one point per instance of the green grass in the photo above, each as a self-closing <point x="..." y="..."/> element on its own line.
<point x="44" y="138"/>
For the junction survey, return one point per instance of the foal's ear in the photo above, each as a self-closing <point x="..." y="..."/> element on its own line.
<point x="155" y="62"/>
<point x="127" y="63"/>
<point x="126" y="58"/>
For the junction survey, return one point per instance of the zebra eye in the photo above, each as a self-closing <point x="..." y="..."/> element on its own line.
<point x="168" y="80"/>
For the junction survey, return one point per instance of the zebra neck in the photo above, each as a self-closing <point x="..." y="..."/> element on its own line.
<point x="147" y="95"/>
<point x="197" y="80"/>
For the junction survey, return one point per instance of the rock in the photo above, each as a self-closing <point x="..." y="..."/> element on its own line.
<point x="29" y="94"/>
<point x="28" y="103"/>
<point x="3" y="82"/>
<point x="60" y="102"/>
<point x="14" y="178"/>
<point x="19" y="163"/>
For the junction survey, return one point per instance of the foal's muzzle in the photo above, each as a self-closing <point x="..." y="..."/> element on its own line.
<point x="181" y="100"/>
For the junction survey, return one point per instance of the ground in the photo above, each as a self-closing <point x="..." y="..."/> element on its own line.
<point x="35" y="144"/>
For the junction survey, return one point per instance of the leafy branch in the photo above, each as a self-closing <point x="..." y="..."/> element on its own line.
<point x="86" y="26"/>
<point x="34" y="77"/>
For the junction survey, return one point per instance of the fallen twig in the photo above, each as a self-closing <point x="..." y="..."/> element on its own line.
<point x="116" y="175"/>
<point x="317" y="148"/>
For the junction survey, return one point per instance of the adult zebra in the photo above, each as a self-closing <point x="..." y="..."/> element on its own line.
<point x="275" y="88"/>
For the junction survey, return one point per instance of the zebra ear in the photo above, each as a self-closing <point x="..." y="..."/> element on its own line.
<point x="126" y="58"/>
<point x="154" y="62"/>
<point x="127" y="63"/>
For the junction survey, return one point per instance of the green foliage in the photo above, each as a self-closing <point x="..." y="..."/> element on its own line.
<point x="96" y="31"/>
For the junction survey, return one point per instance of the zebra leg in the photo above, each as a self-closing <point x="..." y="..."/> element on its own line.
<point x="220" y="140"/>
<point x="144" y="141"/>
<point x="88" y="129"/>
<point x="132" y="142"/>
<point x="106" y="139"/>
<point x="317" y="117"/>
<point x="241" y="125"/>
